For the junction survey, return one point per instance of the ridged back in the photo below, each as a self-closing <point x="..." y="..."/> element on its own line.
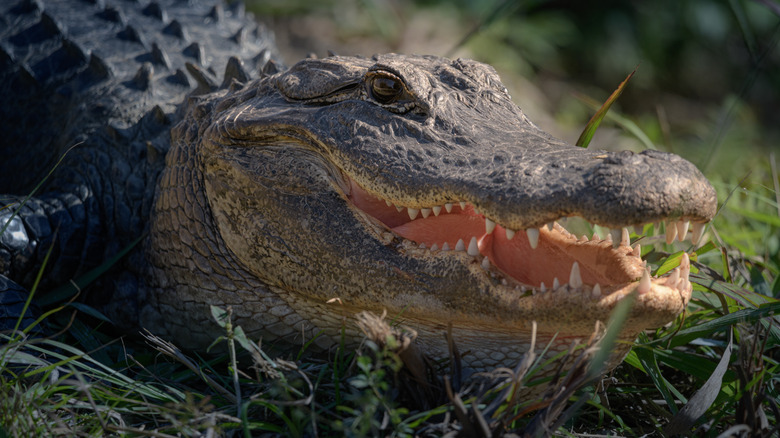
<point x="107" y="76"/>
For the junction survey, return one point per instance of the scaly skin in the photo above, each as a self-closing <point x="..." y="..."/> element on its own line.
<point x="275" y="199"/>
<point x="278" y="195"/>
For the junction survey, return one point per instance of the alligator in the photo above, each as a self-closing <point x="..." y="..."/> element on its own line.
<point x="301" y="196"/>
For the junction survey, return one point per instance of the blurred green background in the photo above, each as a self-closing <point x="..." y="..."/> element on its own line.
<point x="707" y="86"/>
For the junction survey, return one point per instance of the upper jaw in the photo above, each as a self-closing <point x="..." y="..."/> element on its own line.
<point x="533" y="185"/>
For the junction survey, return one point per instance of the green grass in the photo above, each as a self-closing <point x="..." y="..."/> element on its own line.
<point x="50" y="387"/>
<point x="718" y="363"/>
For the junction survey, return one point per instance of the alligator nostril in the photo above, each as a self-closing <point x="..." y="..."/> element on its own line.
<point x="622" y="157"/>
<point x="658" y="155"/>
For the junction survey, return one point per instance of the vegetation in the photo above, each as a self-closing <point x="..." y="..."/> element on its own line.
<point x="713" y="372"/>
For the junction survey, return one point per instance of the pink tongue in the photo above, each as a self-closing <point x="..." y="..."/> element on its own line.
<point x="525" y="264"/>
<point x="514" y="257"/>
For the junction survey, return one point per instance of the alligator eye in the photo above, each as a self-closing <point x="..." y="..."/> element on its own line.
<point x="386" y="89"/>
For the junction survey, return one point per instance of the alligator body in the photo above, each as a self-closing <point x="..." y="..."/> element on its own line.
<point x="411" y="184"/>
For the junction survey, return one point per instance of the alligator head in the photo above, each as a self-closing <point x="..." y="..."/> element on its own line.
<point x="412" y="184"/>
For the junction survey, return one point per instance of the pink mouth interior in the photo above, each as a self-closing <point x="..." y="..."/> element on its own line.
<point x="552" y="258"/>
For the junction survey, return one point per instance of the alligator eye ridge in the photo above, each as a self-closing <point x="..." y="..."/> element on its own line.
<point x="385" y="89"/>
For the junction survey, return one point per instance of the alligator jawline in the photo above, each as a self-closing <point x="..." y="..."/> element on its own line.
<point x="557" y="259"/>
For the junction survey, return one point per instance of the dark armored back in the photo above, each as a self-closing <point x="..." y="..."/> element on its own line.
<point x="86" y="72"/>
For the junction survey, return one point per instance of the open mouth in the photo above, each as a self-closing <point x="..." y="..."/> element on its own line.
<point x="532" y="261"/>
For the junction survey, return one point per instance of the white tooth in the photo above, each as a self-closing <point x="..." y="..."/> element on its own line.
<point x="682" y="230"/>
<point x="462" y="205"/>
<point x="637" y="251"/>
<point x="685" y="262"/>
<point x="674" y="277"/>
<point x="523" y="289"/>
<point x="436" y="210"/>
<point x="422" y="246"/>
<point x="533" y="237"/>
<point x="460" y="246"/>
<point x="399" y="208"/>
<point x="448" y="207"/>
<point x="625" y="238"/>
<point x="671" y="232"/>
<point x="615" y="234"/>
<point x="425" y="212"/>
<point x="445" y="246"/>
<point x="584" y="238"/>
<point x="575" y="279"/>
<point x="489" y="226"/>
<point x="504" y="282"/>
<point x="596" y="292"/>
<point x="434" y="247"/>
<point x="550" y="225"/>
<point x="609" y="239"/>
<point x="644" y="283"/>
<point x="473" y="248"/>
<point x="389" y="204"/>
<point x="510" y="234"/>
<point x="698" y="230"/>
<point x="556" y="284"/>
<point x="542" y="288"/>
<point x="413" y="213"/>
<point x="485" y="263"/>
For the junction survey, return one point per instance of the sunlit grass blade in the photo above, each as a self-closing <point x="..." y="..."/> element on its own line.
<point x="724" y="322"/>
<point x="616" y="321"/>
<point x="33" y="290"/>
<point x="672" y="262"/>
<point x="595" y="121"/>
<point x="742" y="296"/>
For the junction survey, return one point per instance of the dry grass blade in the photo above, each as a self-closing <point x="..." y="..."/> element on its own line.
<point x="173" y="352"/>
<point x="558" y="393"/>
<point x="418" y="379"/>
